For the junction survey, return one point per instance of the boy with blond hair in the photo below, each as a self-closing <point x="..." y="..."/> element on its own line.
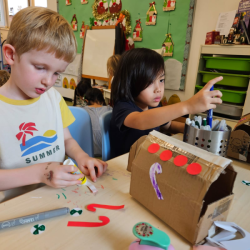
<point x="34" y="134"/>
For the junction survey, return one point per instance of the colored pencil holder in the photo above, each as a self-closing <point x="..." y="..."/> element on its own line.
<point x="215" y="142"/>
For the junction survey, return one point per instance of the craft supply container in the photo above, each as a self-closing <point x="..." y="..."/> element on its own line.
<point x="213" y="141"/>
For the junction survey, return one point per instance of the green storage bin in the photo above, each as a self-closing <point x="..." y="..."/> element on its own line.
<point x="228" y="79"/>
<point x="227" y="63"/>
<point x="232" y="96"/>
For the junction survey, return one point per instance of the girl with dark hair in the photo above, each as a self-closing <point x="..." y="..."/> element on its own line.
<point x="96" y="106"/>
<point x="137" y="89"/>
<point x="80" y="91"/>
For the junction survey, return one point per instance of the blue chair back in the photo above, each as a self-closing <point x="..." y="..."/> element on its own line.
<point x="81" y="130"/>
<point x="104" y="120"/>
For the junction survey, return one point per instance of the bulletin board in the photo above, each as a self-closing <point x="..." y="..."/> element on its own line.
<point x="153" y="36"/>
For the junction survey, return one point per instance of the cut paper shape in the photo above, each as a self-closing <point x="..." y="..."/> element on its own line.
<point x="194" y="168"/>
<point x="37" y="229"/>
<point x="153" y="148"/>
<point x="115" y="6"/>
<point x="58" y="196"/>
<point x="64" y="196"/>
<point x="166" y="155"/>
<point x="168" y="45"/>
<point x="151" y="14"/>
<point x="104" y="221"/>
<point x="102" y="6"/>
<point x="92" y="207"/>
<point x="76" y="212"/>
<point x="156" y="167"/>
<point x="84" y="1"/>
<point x="169" y="5"/>
<point x="246" y="183"/>
<point x="180" y="160"/>
<point x="114" y="179"/>
<point x="68" y="2"/>
<point x="137" y="33"/>
<point x="74" y="22"/>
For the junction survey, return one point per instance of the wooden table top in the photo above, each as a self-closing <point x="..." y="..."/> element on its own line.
<point x="113" y="189"/>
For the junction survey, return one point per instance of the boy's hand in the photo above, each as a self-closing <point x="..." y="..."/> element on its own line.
<point x="58" y="176"/>
<point x="91" y="166"/>
<point x="205" y="99"/>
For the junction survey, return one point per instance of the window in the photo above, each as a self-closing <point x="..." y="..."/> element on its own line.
<point x="8" y="8"/>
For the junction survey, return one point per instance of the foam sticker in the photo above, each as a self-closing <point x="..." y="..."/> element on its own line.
<point x="37" y="229"/>
<point x="194" y="168"/>
<point x="92" y="207"/>
<point x="76" y="212"/>
<point x="153" y="148"/>
<point x="166" y="155"/>
<point x="156" y="167"/>
<point x="104" y="221"/>
<point x="180" y="160"/>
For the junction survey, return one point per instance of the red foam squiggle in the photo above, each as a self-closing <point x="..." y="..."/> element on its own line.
<point x="92" y="207"/>
<point x="105" y="220"/>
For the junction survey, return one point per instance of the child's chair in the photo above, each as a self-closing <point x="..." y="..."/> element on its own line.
<point x="81" y="130"/>
<point x="104" y="120"/>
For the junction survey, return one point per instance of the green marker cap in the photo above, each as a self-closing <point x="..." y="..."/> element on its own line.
<point x="151" y="236"/>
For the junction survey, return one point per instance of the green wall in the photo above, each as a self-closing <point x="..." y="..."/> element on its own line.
<point x="153" y="36"/>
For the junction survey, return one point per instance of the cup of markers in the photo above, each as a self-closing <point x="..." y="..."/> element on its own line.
<point x="213" y="137"/>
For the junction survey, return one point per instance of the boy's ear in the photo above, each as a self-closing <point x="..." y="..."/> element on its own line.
<point x="9" y="54"/>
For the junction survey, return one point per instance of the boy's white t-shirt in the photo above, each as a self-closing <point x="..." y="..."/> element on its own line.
<point x="31" y="132"/>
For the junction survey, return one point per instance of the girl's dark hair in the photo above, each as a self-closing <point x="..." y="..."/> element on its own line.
<point x="82" y="88"/>
<point x="137" y="69"/>
<point x="95" y="95"/>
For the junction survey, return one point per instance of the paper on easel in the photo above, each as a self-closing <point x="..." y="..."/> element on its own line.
<point x="229" y="228"/>
<point x="225" y="22"/>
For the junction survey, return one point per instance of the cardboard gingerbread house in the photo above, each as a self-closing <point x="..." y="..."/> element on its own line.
<point x="151" y="14"/>
<point x="82" y="31"/>
<point x="84" y="1"/>
<point x="239" y="144"/>
<point x="68" y="2"/>
<point x="186" y="187"/>
<point x="169" y="5"/>
<point x="137" y="33"/>
<point x="168" y="46"/>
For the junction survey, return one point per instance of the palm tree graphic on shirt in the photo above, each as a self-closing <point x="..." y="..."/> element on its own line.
<point x="25" y="129"/>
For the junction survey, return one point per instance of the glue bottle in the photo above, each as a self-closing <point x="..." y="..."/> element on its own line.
<point x="149" y="238"/>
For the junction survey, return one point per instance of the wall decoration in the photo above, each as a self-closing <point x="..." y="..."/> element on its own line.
<point x="137" y="34"/>
<point x="72" y="84"/>
<point x="82" y="31"/>
<point x="169" y="5"/>
<point x="113" y="21"/>
<point x="112" y="16"/>
<point x="102" y="6"/>
<point x="68" y="2"/>
<point x="97" y="23"/>
<point x="151" y="14"/>
<point x="74" y="23"/>
<point x="168" y="46"/>
<point x="65" y="83"/>
<point x="115" y="6"/>
<point x="106" y="22"/>
<point x="84" y="1"/>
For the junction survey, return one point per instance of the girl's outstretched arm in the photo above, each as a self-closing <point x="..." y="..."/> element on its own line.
<point x="202" y="101"/>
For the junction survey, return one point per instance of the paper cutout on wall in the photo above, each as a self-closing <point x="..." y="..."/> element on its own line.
<point x="115" y="6"/>
<point x="173" y="70"/>
<point x="137" y="33"/>
<point x="102" y="6"/>
<point x="72" y="84"/>
<point x="65" y="83"/>
<point x="168" y="45"/>
<point x="153" y="148"/>
<point x="169" y="5"/>
<point x="151" y="14"/>
<point x="156" y="167"/>
<point x="92" y="207"/>
<point x="166" y="155"/>
<point x="37" y="229"/>
<point x="106" y="22"/>
<point x="76" y="212"/>
<point x="68" y="2"/>
<point x="104" y="221"/>
<point x="180" y="160"/>
<point x="84" y="1"/>
<point x="74" y="22"/>
<point x="82" y="30"/>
